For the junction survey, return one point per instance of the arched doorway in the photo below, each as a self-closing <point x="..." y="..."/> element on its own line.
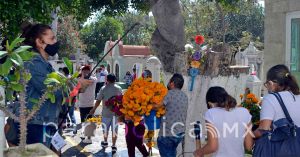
<point x="117" y="72"/>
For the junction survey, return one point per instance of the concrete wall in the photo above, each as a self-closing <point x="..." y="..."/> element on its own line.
<point x="275" y="31"/>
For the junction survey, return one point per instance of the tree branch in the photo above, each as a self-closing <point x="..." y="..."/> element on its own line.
<point x="7" y="112"/>
<point x="40" y="103"/>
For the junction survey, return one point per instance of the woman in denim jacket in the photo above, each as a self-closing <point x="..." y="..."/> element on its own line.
<point x="44" y="124"/>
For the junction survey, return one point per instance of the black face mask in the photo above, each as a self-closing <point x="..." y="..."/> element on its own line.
<point x="52" y="49"/>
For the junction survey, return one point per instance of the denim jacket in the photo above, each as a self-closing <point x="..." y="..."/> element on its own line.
<point x="39" y="68"/>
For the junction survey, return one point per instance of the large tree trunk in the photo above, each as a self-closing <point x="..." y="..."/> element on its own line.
<point x="168" y="39"/>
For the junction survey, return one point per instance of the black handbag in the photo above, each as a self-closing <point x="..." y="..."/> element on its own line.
<point x="284" y="141"/>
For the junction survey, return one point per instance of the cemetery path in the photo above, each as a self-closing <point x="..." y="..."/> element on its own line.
<point x="75" y="146"/>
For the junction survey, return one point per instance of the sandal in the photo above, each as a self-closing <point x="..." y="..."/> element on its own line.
<point x="113" y="149"/>
<point x="104" y="144"/>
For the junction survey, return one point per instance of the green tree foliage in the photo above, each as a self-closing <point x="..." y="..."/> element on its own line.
<point x="14" y="13"/>
<point x="141" y="34"/>
<point x="97" y="33"/>
<point x="68" y="35"/>
<point x="115" y="7"/>
<point x="250" y="18"/>
<point x="205" y="17"/>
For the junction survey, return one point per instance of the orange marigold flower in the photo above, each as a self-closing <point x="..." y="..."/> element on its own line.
<point x="254" y="100"/>
<point x="150" y="144"/>
<point x="130" y="113"/>
<point x="241" y="96"/>
<point x="195" y="64"/>
<point x="250" y="96"/>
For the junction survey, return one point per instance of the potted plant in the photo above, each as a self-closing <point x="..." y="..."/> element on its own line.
<point x="14" y="78"/>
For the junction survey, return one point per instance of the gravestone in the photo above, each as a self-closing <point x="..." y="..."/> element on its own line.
<point x="253" y="82"/>
<point x="251" y="55"/>
<point x="154" y="65"/>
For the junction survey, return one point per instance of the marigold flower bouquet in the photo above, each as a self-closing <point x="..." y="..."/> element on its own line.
<point x="138" y="100"/>
<point x="96" y="120"/>
<point x="251" y="103"/>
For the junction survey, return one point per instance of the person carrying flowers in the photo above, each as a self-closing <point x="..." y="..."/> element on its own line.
<point x="135" y="134"/>
<point x="109" y="119"/>
<point x="172" y="125"/>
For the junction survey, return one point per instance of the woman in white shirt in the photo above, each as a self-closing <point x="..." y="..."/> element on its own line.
<point x="279" y="79"/>
<point x="228" y="127"/>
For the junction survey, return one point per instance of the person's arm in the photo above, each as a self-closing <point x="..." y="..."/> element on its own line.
<point x="212" y="142"/>
<point x="248" y="141"/>
<point x="97" y="103"/>
<point x="156" y="106"/>
<point x="267" y="115"/>
<point x="263" y="126"/>
<point x="99" y="98"/>
<point x="167" y="99"/>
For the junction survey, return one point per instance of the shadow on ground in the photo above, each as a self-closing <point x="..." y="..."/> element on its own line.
<point x="76" y="151"/>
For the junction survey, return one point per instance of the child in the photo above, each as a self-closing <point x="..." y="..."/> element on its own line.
<point x="221" y="117"/>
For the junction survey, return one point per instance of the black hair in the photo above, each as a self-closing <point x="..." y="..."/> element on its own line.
<point x="219" y="96"/>
<point x="66" y="70"/>
<point x="147" y="74"/>
<point x="102" y="66"/>
<point x="178" y="80"/>
<point x="33" y="32"/>
<point x="111" y="78"/>
<point x="280" y="74"/>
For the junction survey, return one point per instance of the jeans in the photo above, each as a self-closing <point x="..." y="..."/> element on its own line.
<point x="167" y="145"/>
<point x="71" y="115"/>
